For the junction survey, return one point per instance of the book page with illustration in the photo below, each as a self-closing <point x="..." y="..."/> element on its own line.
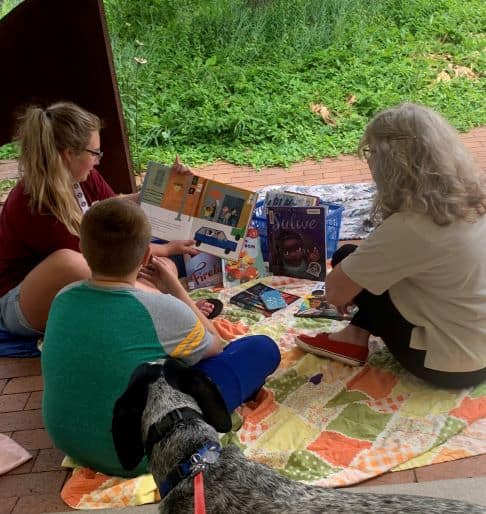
<point x="186" y="206"/>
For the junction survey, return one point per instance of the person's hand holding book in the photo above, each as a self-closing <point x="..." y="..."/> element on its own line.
<point x="181" y="247"/>
<point x="180" y="167"/>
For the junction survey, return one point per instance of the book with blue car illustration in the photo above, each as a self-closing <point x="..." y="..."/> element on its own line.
<point x="186" y="206"/>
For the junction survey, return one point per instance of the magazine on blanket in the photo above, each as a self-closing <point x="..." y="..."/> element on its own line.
<point x="250" y="264"/>
<point x="297" y="241"/>
<point x="186" y="206"/>
<point x="315" y="305"/>
<point x="203" y="270"/>
<point x="261" y="298"/>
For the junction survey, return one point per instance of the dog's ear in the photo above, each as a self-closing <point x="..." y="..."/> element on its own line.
<point x="206" y="393"/>
<point x="126" y="426"/>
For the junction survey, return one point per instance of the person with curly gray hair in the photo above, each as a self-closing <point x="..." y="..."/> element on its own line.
<point x="419" y="279"/>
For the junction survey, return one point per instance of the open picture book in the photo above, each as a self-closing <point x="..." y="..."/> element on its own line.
<point x="185" y="206"/>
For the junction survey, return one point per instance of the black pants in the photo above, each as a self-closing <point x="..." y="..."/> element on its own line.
<point x="380" y="317"/>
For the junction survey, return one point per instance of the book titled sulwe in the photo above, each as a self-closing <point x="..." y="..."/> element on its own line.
<point x="297" y="241"/>
<point x="186" y="206"/>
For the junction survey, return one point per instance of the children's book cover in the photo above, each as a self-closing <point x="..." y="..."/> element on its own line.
<point x="203" y="270"/>
<point x="185" y="206"/>
<point x="290" y="199"/>
<point x="316" y="306"/>
<point x="250" y="302"/>
<point x="297" y="241"/>
<point x="251" y="298"/>
<point x="250" y="264"/>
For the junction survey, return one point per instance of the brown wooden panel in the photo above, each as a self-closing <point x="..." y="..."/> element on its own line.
<point x="60" y="50"/>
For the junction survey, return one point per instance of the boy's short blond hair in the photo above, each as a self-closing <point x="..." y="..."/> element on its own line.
<point x="114" y="235"/>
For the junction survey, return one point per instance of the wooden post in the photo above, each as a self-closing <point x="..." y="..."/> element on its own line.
<point x="60" y="50"/>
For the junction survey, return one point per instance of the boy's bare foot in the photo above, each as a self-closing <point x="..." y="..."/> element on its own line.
<point x="205" y="307"/>
<point x="210" y="307"/>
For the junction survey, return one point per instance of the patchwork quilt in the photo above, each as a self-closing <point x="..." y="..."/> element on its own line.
<point x="320" y="421"/>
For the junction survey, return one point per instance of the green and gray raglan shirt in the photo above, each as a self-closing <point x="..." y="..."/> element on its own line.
<point x="95" y="338"/>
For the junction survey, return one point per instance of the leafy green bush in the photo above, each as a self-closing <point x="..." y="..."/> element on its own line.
<point x="225" y="79"/>
<point x="7" y="5"/>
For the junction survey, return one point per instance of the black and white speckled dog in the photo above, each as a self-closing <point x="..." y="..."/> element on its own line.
<point x="174" y="416"/>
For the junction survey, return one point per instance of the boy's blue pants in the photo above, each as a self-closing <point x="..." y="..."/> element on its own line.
<point x="241" y="369"/>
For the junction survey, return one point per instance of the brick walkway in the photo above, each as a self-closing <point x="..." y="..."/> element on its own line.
<point x="34" y="487"/>
<point x="344" y="169"/>
<point x="328" y="171"/>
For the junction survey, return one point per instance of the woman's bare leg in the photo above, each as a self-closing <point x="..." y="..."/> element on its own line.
<point x="41" y="285"/>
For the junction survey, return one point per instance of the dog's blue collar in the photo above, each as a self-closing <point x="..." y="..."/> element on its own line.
<point x="197" y="462"/>
<point x="165" y="426"/>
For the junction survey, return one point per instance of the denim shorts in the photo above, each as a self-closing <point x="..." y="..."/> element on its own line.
<point x="11" y="316"/>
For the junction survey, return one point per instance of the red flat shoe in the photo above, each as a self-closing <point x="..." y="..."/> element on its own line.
<point x="320" y="344"/>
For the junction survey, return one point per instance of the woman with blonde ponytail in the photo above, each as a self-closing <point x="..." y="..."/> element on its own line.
<point x="39" y="224"/>
<point x="419" y="279"/>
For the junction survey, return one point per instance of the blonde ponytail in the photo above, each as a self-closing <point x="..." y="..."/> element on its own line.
<point x="43" y="134"/>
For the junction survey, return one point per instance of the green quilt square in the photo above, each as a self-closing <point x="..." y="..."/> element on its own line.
<point x="360" y="421"/>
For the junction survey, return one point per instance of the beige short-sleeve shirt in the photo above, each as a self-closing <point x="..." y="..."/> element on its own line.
<point x="436" y="277"/>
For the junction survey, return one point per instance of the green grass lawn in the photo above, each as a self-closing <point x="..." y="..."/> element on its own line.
<point x="236" y="79"/>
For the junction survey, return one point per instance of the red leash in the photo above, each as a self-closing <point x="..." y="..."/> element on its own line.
<point x="199" y="501"/>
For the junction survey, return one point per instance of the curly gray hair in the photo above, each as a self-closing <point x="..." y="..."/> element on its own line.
<point x="419" y="164"/>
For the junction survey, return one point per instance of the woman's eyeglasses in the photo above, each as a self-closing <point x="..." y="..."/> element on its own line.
<point x="366" y="152"/>
<point x="96" y="153"/>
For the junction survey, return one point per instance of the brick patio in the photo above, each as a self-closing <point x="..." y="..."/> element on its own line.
<point x="34" y="487"/>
